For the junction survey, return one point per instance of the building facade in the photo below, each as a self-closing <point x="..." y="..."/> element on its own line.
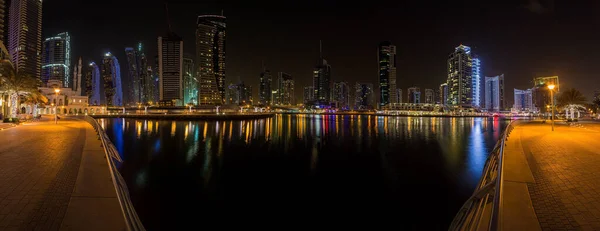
<point x="386" y="61"/>
<point x="56" y="59"/>
<point x="309" y="92"/>
<point x="170" y="69"/>
<point x="399" y="95"/>
<point x="239" y="94"/>
<point x="494" y="93"/>
<point x="210" y="58"/>
<point x="341" y="95"/>
<point x="364" y="96"/>
<point x="444" y="93"/>
<point x="285" y="84"/>
<point x="264" y="89"/>
<point x="414" y="95"/>
<point x="476" y="82"/>
<point x="429" y="96"/>
<point x="111" y="75"/>
<point x="460" y="79"/>
<point x="139" y="78"/>
<point x="322" y="81"/>
<point x="92" y="84"/>
<point x="190" y="83"/>
<point x="25" y="36"/>
<point x="541" y="93"/>
<point x="523" y="100"/>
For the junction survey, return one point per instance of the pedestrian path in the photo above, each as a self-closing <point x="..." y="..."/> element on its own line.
<point x="561" y="171"/>
<point x="53" y="176"/>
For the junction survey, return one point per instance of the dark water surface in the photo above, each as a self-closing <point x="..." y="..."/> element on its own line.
<point x="342" y="171"/>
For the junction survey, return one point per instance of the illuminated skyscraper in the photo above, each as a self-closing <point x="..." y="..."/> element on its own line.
<point x="364" y="96"/>
<point x="25" y="36"/>
<point x="56" y="59"/>
<point x="285" y="84"/>
<point x="170" y="69"/>
<point x="398" y="95"/>
<point x="309" y="92"/>
<point x="322" y="80"/>
<point x="460" y="79"/>
<point x="111" y="74"/>
<point x="210" y="58"/>
<point x="414" y="95"/>
<point x="92" y="84"/>
<point x="341" y="95"/>
<point x="190" y="83"/>
<point x="494" y="93"/>
<point x="523" y="100"/>
<point x="2" y="21"/>
<point x="444" y="93"/>
<point x="386" y="60"/>
<point x="476" y="82"/>
<point x="264" y="91"/>
<point x="429" y="96"/>
<point x="239" y="94"/>
<point x="138" y="81"/>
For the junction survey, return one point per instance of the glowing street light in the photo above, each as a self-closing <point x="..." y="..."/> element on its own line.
<point x="551" y="87"/>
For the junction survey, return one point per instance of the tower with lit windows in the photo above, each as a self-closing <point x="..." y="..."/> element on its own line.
<point x="386" y="61"/>
<point x="56" y="59"/>
<point x="25" y="36"/>
<point x="111" y="74"/>
<point x="460" y="77"/>
<point x="92" y="84"/>
<point x="210" y="58"/>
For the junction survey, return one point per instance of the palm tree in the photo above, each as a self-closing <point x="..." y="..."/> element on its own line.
<point x="35" y="98"/>
<point x="571" y="100"/>
<point x="16" y="84"/>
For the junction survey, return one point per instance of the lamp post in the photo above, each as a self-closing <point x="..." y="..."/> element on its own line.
<point x="56" y="90"/>
<point x="551" y="87"/>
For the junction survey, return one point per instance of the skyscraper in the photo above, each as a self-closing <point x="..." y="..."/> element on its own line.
<point x="239" y="94"/>
<point x="56" y="59"/>
<point x="476" y="82"/>
<point x="210" y="58"/>
<point x="523" y="100"/>
<point x="444" y="93"/>
<point x="386" y="61"/>
<point x="341" y="95"/>
<point x="364" y="96"/>
<point x="190" y="83"/>
<point x="429" y="96"/>
<point x="494" y="93"/>
<point x="92" y="84"/>
<point x="25" y="36"/>
<point x="170" y="70"/>
<point x="541" y="93"/>
<point x="285" y="89"/>
<point x="111" y="74"/>
<point x="264" y="89"/>
<point x="460" y="79"/>
<point x="398" y="95"/>
<point x="322" y="80"/>
<point x="138" y="75"/>
<point x="309" y="92"/>
<point x="414" y="95"/>
<point x="2" y="21"/>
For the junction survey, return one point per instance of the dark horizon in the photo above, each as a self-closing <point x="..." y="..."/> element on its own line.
<point x="521" y="40"/>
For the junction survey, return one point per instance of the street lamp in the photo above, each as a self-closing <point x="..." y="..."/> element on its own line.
<point x="551" y="87"/>
<point x="56" y="90"/>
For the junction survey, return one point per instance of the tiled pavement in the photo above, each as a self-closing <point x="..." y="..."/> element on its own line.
<point x="566" y="168"/>
<point x="39" y="163"/>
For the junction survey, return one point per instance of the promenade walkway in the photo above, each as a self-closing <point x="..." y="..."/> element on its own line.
<point x="552" y="179"/>
<point x="55" y="176"/>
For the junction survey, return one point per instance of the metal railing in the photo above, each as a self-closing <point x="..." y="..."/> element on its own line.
<point x="482" y="211"/>
<point x="132" y="220"/>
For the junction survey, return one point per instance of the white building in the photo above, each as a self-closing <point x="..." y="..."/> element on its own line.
<point x="494" y="93"/>
<point x="523" y="101"/>
<point x="67" y="101"/>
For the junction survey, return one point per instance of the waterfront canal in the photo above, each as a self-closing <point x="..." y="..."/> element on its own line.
<point x="408" y="172"/>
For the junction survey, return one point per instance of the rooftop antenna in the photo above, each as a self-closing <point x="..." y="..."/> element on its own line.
<point x="167" y="15"/>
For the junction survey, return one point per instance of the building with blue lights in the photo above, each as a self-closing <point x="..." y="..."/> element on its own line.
<point x="111" y="74"/>
<point x="56" y="59"/>
<point x="92" y="84"/>
<point x="476" y="82"/>
<point x="494" y="93"/>
<point x="386" y="61"/>
<point x="460" y="77"/>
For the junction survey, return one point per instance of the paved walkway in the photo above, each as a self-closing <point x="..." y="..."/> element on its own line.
<point x="561" y="172"/>
<point x="42" y="170"/>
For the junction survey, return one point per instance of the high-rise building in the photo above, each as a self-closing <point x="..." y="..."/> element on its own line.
<point x="309" y="92"/>
<point x="364" y="96"/>
<point x="285" y="84"/>
<point x="460" y="78"/>
<point x="444" y="93"/>
<point x="476" y="82"/>
<point x="190" y="83"/>
<point x="264" y="89"/>
<point x="2" y="21"/>
<point x="523" y="100"/>
<point x="386" y="61"/>
<point x="429" y="96"/>
<point x="210" y="58"/>
<point x="541" y="93"/>
<point x="139" y="79"/>
<point x="170" y="70"/>
<point x="494" y="93"/>
<point x="25" y="36"/>
<point x="56" y="59"/>
<point x="239" y="94"/>
<point x="92" y="84"/>
<point x="341" y="95"/>
<point x="77" y="78"/>
<point x="322" y="80"/>
<point x="111" y="74"/>
<point x="414" y="95"/>
<point x="399" y="95"/>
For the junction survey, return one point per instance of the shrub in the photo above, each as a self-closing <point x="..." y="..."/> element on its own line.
<point x="11" y="120"/>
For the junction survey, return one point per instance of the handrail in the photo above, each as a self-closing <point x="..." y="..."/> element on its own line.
<point x="475" y="213"/>
<point x="132" y="220"/>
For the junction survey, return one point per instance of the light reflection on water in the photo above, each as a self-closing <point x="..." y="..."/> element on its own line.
<point x="421" y="164"/>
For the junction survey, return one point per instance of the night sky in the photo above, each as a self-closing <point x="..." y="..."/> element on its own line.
<point x="520" y="39"/>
